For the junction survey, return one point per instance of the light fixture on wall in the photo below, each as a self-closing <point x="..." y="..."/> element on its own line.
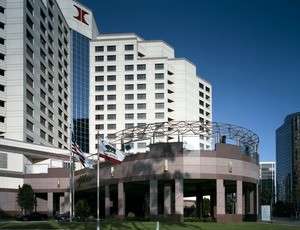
<point x="230" y="166"/>
<point x="112" y="170"/>
<point x="166" y="165"/>
<point x="58" y="183"/>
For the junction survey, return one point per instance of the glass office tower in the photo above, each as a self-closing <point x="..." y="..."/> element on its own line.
<point x="288" y="159"/>
<point x="80" y="89"/>
<point x="83" y="28"/>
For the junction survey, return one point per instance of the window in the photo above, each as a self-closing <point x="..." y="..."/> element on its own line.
<point x="141" y="115"/>
<point x="29" y="51"/>
<point x="141" y="77"/>
<point x="129" y="77"/>
<point x="129" y="125"/>
<point x="50" y="127"/>
<point x="99" y="78"/>
<point x="101" y="126"/>
<point x="99" y="117"/>
<point x="111" y="126"/>
<point x="29" y="125"/>
<point x="129" y="116"/>
<point x="201" y="85"/>
<point x="99" y="68"/>
<point x="43" y="121"/>
<point x="111" y="48"/>
<point x="129" y="106"/>
<point x="201" y="111"/>
<point x="2" y="103"/>
<point x="129" y="67"/>
<point x="111" y="87"/>
<point x="129" y="96"/>
<point x="141" y="105"/>
<point x="141" y="86"/>
<point x="111" y="57"/>
<point x="99" y="107"/>
<point x="141" y="96"/>
<point x="99" y="97"/>
<point x="111" y="107"/>
<point x="29" y="81"/>
<point x="99" y="48"/>
<point x="43" y="108"/>
<point x="129" y="87"/>
<point x="201" y="94"/>
<point x="159" y="66"/>
<point x="141" y="145"/>
<point x="128" y="57"/>
<point x="128" y="47"/>
<point x="29" y="110"/>
<point x="111" y="97"/>
<point x="111" y="68"/>
<point x="201" y="102"/>
<point x="99" y="88"/>
<point x="30" y="66"/>
<point x="159" y="85"/>
<point x="141" y="67"/>
<point x="207" y="89"/>
<point x="99" y="58"/>
<point x="159" y="105"/>
<point x="111" y="117"/>
<point x="29" y="95"/>
<point x="3" y="160"/>
<point x="159" y="76"/>
<point x="159" y="96"/>
<point x="159" y="115"/>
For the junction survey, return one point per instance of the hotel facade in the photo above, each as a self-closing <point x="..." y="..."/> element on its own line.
<point x="58" y="76"/>
<point x="135" y="82"/>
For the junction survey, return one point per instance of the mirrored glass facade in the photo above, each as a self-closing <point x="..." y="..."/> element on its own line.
<point x="80" y="90"/>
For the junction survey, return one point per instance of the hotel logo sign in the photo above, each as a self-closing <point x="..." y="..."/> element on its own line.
<point x="81" y="15"/>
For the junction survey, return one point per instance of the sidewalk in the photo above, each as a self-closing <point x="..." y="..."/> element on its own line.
<point x="283" y="221"/>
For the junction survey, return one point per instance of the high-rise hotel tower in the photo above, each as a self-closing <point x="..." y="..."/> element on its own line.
<point x="136" y="82"/>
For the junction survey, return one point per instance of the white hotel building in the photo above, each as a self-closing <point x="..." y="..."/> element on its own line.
<point x="134" y="82"/>
<point x="36" y="72"/>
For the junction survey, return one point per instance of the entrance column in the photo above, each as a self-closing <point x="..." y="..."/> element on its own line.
<point x="67" y="201"/>
<point x="239" y="193"/>
<point x="107" y="201"/>
<point x="50" y="203"/>
<point x="167" y="199"/>
<point x="121" y="200"/>
<point x="199" y="202"/>
<point x="153" y="197"/>
<point x="179" y="198"/>
<point x="220" y="197"/>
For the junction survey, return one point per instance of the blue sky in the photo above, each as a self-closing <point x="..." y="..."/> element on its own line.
<point x="249" y="50"/>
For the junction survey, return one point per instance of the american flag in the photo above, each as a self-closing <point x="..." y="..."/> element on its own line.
<point x="80" y="156"/>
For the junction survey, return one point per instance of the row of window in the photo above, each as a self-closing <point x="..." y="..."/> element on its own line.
<point x="201" y="86"/>
<point x="128" y="87"/>
<point x="128" y="116"/>
<point x="112" y="68"/>
<point x="30" y="126"/>
<point x="139" y="96"/>
<point x="100" y="58"/>
<point x="129" y="77"/>
<point x="113" y="48"/>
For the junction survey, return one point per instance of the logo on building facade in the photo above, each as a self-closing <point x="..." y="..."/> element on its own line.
<point x="81" y="15"/>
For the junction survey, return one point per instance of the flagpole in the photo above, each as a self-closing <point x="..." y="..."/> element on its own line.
<point x="71" y="183"/>
<point x="98" y="185"/>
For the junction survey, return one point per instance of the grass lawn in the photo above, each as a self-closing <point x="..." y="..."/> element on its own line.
<point x="114" y="225"/>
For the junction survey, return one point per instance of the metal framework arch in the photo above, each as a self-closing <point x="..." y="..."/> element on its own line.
<point x="220" y="132"/>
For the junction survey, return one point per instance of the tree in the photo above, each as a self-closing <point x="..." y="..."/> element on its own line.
<point x="266" y="197"/>
<point x="82" y="210"/>
<point x="25" y="198"/>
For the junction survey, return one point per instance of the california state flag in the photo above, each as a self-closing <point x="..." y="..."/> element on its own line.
<point x="109" y="152"/>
